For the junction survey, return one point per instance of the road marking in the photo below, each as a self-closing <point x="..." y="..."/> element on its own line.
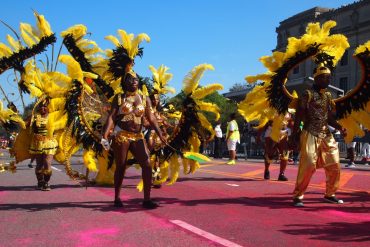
<point x="235" y="175"/>
<point x="207" y="235"/>
<point x="227" y="174"/>
<point x="208" y="165"/>
<point x="234" y="185"/>
<point x="57" y="169"/>
<point x="344" y="178"/>
<point x="258" y="171"/>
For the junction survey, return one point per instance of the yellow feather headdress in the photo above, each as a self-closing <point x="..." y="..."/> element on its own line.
<point x="161" y="79"/>
<point x="121" y="59"/>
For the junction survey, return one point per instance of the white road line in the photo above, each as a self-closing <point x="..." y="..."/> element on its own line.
<point x="52" y="167"/>
<point x="205" y="234"/>
<point x="234" y="185"/>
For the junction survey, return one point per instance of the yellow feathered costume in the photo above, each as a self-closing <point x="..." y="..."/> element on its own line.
<point x="111" y="67"/>
<point x="271" y="100"/>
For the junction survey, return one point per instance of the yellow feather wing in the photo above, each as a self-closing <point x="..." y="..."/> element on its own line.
<point x="27" y="38"/>
<point x="191" y="80"/>
<point x="5" y="50"/>
<point x="113" y="39"/>
<point x="89" y="160"/>
<point x="200" y="93"/>
<point x="175" y="169"/>
<point x="353" y="129"/>
<point x="13" y="43"/>
<point x="77" y="31"/>
<point x="205" y="123"/>
<point x="209" y="107"/>
<point x="43" y="25"/>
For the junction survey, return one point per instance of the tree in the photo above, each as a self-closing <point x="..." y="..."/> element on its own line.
<point x="242" y="86"/>
<point x="238" y="87"/>
<point x="28" y="110"/>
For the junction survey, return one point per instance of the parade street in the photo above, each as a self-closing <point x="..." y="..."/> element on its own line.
<point x="218" y="205"/>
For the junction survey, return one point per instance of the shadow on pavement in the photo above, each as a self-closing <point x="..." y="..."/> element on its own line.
<point x="213" y="179"/>
<point x="33" y="188"/>
<point x="333" y="231"/>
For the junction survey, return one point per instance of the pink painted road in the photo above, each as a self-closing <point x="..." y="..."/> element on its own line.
<point x="219" y="205"/>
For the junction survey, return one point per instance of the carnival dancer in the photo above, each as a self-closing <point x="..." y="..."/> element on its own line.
<point x="183" y="142"/>
<point x="271" y="147"/>
<point x="43" y="146"/>
<point x="316" y="108"/>
<point x="154" y="142"/>
<point x="160" y="87"/>
<point x="318" y="149"/>
<point x="126" y="118"/>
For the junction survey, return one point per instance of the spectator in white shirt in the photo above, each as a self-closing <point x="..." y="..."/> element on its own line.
<point x="217" y="152"/>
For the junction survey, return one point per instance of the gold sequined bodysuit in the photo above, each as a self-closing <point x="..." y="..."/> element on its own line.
<point x="130" y="111"/>
<point x="317" y="105"/>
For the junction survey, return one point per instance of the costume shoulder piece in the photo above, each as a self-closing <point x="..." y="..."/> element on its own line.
<point x="270" y="100"/>
<point x="353" y="109"/>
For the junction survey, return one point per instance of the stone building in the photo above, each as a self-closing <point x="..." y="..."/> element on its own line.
<point x="353" y="20"/>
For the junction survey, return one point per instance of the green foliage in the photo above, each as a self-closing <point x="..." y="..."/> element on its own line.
<point x="28" y="110"/>
<point x="226" y="107"/>
<point x="242" y="86"/>
<point x="3" y="132"/>
<point x="177" y="100"/>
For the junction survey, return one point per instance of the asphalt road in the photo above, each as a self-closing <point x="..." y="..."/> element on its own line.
<point x="219" y="205"/>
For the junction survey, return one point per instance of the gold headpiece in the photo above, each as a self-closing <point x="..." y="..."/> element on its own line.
<point x="132" y="73"/>
<point x="129" y="72"/>
<point x="321" y="69"/>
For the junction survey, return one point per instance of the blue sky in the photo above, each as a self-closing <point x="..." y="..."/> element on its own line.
<point x="229" y="34"/>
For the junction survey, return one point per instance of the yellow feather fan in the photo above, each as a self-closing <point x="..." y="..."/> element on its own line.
<point x="175" y="169"/>
<point x="202" y="92"/>
<point x="77" y="31"/>
<point x="209" y="107"/>
<point x="13" y="43"/>
<point x="7" y="115"/>
<point x="105" y="176"/>
<point x="89" y="160"/>
<point x="43" y="25"/>
<point x="205" y="123"/>
<point x="27" y="38"/>
<point x="192" y="79"/>
<point x="164" y="172"/>
<point x="5" y="51"/>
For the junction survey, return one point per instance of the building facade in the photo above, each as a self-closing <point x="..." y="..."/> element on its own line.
<point x="353" y="20"/>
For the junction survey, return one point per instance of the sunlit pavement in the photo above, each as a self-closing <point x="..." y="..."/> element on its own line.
<point x="219" y="205"/>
